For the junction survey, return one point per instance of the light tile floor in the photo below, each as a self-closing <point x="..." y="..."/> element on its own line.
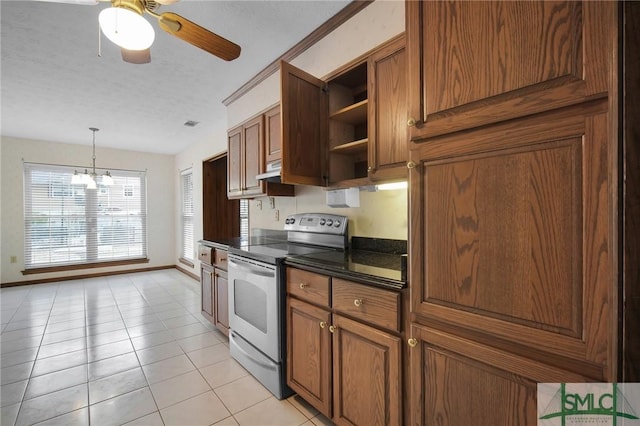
<point x="127" y="349"/>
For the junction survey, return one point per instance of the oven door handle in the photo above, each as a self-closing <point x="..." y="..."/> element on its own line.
<point x="249" y="356"/>
<point x="256" y="271"/>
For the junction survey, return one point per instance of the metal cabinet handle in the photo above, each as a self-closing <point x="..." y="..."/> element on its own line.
<point x="358" y="302"/>
<point x="411" y="122"/>
<point x="303" y="286"/>
<point x="222" y="259"/>
<point x="323" y="324"/>
<point x="412" y="342"/>
<point x="411" y="165"/>
<point x="332" y="328"/>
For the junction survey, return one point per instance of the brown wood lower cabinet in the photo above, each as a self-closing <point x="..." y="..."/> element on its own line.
<point x="346" y="368"/>
<point x="456" y="381"/>
<point x="309" y="353"/>
<point x="214" y="285"/>
<point x="221" y="291"/>
<point x="206" y="284"/>
<point x="366" y="374"/>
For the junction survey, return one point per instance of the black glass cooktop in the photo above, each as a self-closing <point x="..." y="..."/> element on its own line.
<point x="276" y="252"/>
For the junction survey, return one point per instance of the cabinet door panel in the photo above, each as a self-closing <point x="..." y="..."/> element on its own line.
<point x="484" y="62"/>
<point x="304" y="107"/>
<point x="367" y="378"/>
<point x="309" y="354"/>
<point x="206" y="283"/>
<point x="459" y="382"/>
<point x="253" y="156"/>
<point x="234" y="159"/>
<point x="388" y="131"/>
<point x="222" y="300"/>
<point x="514" y="242"/>
<point x="273" y="134"/>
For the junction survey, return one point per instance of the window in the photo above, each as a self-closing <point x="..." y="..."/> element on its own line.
<point x="68" y="224"/>
<point x="127" y="190"/>
<point x="244" y="218"/>
<point x="187" y="215"/>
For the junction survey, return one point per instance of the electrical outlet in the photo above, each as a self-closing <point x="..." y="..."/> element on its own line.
<point x="259" y="204"/>
<point x="276" y="215"/>
<point x="14" y="259"/>
<point x="272" y="202"/>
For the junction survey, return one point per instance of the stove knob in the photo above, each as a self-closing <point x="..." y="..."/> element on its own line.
<point x="292" y="221"/>
<point x="337" y="224"/>
<point x="329" y="222"/>
<point x="322" y="221"/>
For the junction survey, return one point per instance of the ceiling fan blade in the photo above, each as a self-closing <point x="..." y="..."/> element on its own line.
<point x="198" y="36"/>
<point x="136" y="56"/>
<point x="82" y="2"/>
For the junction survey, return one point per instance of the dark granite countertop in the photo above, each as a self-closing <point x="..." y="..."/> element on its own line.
<point x="373" y="261"/>
<point x="260" y="237"/>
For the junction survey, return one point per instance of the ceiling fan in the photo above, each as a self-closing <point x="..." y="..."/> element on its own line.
<point x="123" y="23"/>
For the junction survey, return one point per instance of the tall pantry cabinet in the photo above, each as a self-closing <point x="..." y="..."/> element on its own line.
<point x="515" y="198"/>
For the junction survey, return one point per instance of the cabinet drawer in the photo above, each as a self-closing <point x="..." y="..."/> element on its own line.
<point x="370" y="304"/>
<point x="221" y="259"/>
<point x="308" y="286"/>
<point x="205" y="255"/>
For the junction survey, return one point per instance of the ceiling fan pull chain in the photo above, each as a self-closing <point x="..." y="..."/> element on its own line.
<point x="99" y="42"/>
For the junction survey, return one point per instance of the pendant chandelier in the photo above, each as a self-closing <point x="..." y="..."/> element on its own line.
<point x="90" y="179"/>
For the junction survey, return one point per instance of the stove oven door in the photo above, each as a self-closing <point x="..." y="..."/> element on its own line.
<point x="254" y="304"/>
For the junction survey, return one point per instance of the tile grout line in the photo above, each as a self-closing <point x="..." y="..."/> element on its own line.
<point x="15" y="422"/>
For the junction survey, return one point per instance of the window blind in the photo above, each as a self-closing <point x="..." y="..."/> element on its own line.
<point x="187" y="215"/>
<point x="67" y="224"/>
<point x="244" y="218"/>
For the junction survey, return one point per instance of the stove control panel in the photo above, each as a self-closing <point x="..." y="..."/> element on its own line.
<point x="322" y="223"/>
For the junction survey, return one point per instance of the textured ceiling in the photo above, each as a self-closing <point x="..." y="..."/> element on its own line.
<point x="54" y="86"/>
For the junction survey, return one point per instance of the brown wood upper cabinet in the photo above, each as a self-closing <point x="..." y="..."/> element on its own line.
<point x="246" y="157"/>
<point x="476" y="63"/>
<point x="350" y="127"/>
<point x="273" y="135"/>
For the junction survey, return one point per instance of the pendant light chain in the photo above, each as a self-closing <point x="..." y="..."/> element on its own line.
<point x="94" y="130"/>
<point x="91" y="179"/>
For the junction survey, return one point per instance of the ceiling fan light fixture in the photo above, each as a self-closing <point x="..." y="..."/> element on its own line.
<point x="126" y="28"/>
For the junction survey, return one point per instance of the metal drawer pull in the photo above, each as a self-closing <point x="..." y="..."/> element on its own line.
<point x="204" y="253"/>
<point x="332" y="328"/>
<point x="412" y="342"/>
<point x="323" y="324"/>
<point x="222" y="259"/>
<point x="303" y="286"/>
<point x="358" y="302"/>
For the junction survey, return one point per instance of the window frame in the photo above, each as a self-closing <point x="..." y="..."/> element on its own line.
<point x="186" y="216"/>
<point x="85" y="207"/>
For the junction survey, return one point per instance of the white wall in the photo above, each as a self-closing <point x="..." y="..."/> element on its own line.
<point x="193" y="157"/>
<point x="375" y="24"/>
<point x="161" y="199"/>
<point x="381" y="214"/>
